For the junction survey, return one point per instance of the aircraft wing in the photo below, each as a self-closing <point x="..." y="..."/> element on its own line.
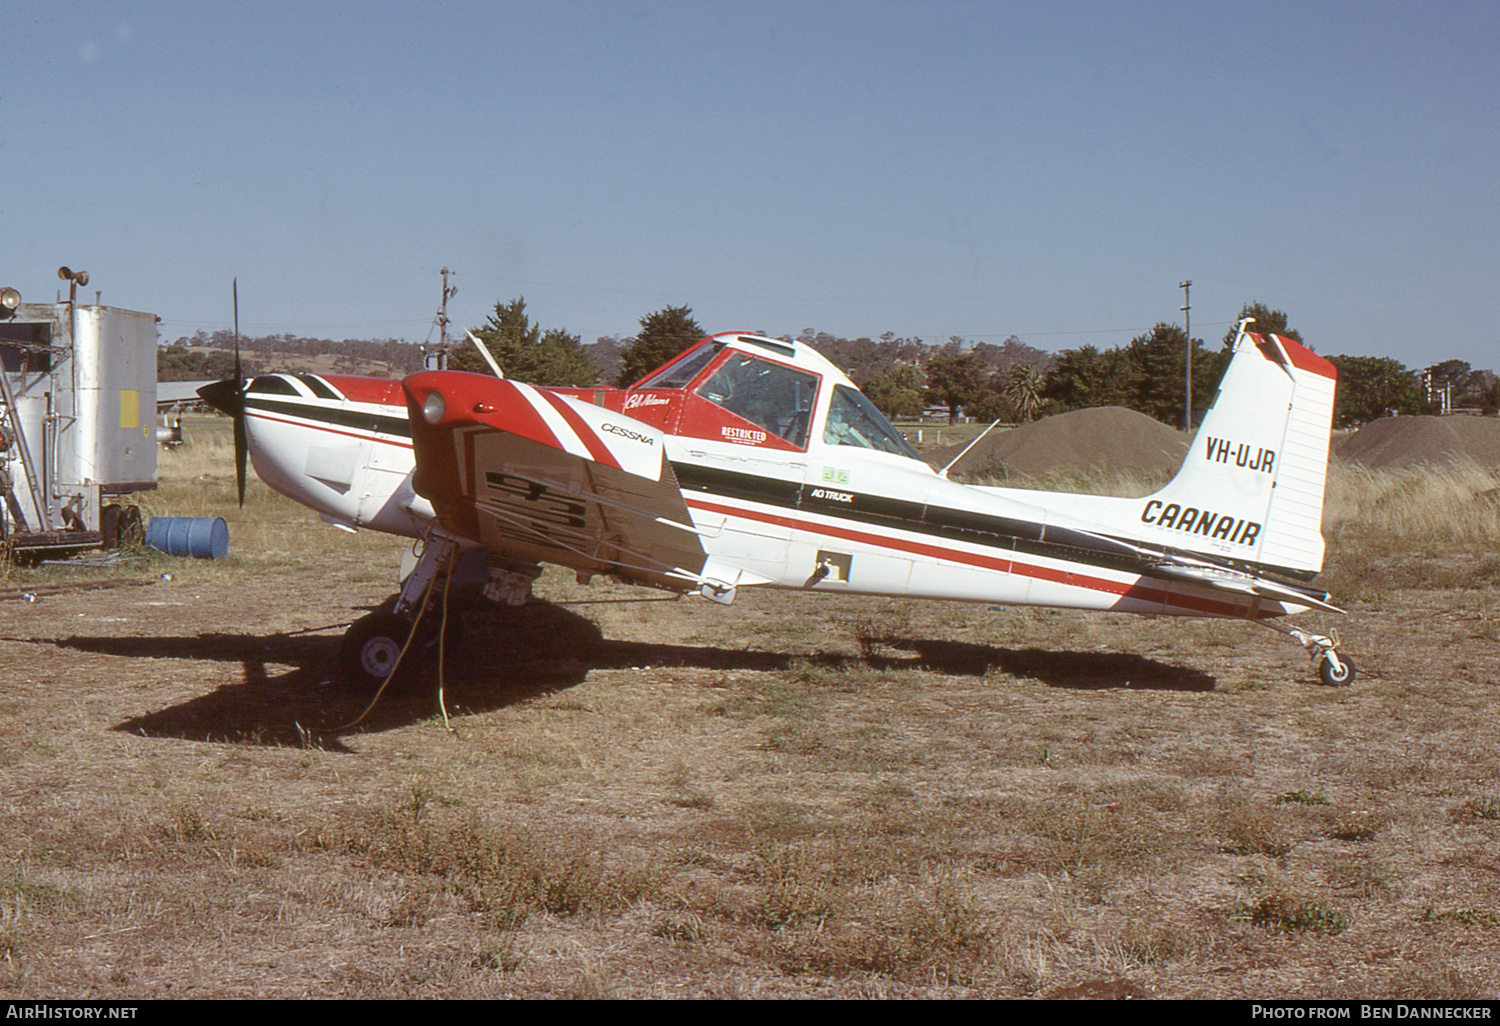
<point x="540" y="477"/>
<point x="178" y="393"/>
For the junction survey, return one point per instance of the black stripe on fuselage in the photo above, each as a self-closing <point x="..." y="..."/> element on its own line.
<point x="359" y="420"/>
<point x="881" y="511"/>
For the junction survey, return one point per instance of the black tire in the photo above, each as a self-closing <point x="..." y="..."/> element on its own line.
<point x="371" y="648"/>
<point x="121" y="527"/>
<point x="1340" y="676"/>
<point x="109" y="526"/>
<point x="130" y="532"/>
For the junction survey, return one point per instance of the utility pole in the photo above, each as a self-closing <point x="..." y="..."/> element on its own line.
<point x="439" y="361"/>
<point x="1187" y="363"/>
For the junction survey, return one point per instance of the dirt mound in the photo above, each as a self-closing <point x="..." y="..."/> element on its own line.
<point x="1394" y="442"/>
<point x="1106" y="439"/>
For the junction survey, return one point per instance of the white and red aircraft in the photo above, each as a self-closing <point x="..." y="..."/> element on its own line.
<point x="752" y="462"/>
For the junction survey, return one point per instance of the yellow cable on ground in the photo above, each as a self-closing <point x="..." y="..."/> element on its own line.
<point x="443" y="642"/>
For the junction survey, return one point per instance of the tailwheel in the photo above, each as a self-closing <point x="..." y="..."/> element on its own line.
<point x="1335" y="670"/>
<point x="372" y="648"/>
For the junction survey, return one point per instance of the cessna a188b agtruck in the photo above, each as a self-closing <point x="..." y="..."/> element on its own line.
<point x="751" y="462"/>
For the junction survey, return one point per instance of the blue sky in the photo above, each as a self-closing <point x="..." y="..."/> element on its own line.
<point x="1051" y="170"/>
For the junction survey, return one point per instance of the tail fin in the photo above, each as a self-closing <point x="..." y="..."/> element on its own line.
<point x="1251" y="487"/>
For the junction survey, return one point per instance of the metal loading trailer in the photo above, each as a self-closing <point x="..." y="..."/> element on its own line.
<point x="77" y="421"/>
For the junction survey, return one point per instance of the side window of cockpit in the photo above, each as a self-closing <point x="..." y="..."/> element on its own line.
<point x="766" y="394"/>
<point x="854" y="420"/>
<point x="685" y="368"/>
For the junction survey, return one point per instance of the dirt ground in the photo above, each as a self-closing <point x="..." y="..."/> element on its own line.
<point x="796" y="796"/>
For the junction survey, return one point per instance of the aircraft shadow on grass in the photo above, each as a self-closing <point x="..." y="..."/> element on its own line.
<point x="290" y="694"/>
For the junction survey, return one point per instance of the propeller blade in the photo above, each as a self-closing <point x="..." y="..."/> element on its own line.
<point x="241" y="451"/>
<point x="241" y="444"/>
<point x="235" y="285"/>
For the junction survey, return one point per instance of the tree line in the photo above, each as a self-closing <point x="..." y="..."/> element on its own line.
<point x="203" y="356"/>
<point x="1009" y="381"/>
<point x="1147" y="374"/>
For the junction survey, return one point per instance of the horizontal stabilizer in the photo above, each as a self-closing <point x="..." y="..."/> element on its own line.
<point x="1156" y="564"/>
<point x="1240" y="583"/>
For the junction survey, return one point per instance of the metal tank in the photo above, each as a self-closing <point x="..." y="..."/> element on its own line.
<point x="78" y="413"/>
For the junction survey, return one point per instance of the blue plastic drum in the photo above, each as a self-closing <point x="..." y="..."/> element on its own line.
<point x="199" y="537"/>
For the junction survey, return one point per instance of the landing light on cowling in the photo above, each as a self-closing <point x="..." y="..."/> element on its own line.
<point x="433" y="407"/>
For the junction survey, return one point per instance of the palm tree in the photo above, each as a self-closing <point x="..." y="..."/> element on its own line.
<point x="1023" y="388"/>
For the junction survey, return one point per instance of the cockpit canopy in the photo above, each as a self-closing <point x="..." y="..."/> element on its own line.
<point x="784" y="389"/>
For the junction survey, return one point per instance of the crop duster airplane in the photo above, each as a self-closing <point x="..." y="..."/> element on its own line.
<point x="749" y="462"/>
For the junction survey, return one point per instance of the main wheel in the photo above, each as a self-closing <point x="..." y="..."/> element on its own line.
<point x="1336" y="673"/>
<point x="371" y="648"/>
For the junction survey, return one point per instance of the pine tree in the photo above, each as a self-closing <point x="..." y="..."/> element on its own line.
<point x="524" y="352"/>
<point x="663" y="335"/>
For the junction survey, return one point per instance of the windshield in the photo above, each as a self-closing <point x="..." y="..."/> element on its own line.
<point x="854" y="420"/>
<point x="766" y="394"/>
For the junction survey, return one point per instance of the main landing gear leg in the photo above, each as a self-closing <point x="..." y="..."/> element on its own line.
<point x="1334" y="670"/>
<point x="373" y="646"/>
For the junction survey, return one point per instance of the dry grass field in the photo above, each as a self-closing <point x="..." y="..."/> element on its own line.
<point x="796" y="796"/>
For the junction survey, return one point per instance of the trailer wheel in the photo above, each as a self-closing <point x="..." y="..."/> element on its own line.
<point x="109" y="526"/>
<point x="132" y="531"/>
<point x="121" y="526"/>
